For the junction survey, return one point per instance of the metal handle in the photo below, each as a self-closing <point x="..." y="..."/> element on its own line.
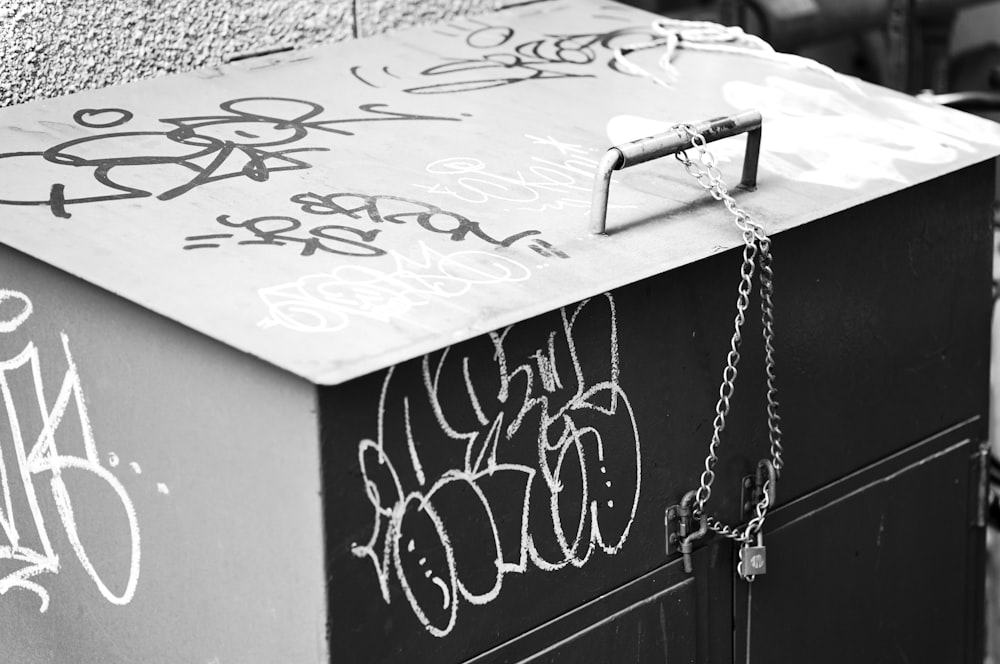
<point x="671" y="142"/>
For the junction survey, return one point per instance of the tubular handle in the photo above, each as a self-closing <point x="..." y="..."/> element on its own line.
<point x="671" y="142"/>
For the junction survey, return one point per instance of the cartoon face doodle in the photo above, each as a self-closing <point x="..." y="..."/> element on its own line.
<point x="251" y="138"/>
<point x="425" y="565"/>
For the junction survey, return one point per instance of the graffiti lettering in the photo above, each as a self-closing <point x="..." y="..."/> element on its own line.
<point x="328" y="302"/>
<point x="348" y="240"/>
<point x="501" y="59"/>
<point x="547" y="184"/>
<point x="24" y="462"/>
<point x="399" y="210"/>
<point x="536" y="465"/>
<point x="280" y="231"/>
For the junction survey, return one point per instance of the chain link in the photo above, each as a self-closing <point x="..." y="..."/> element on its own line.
<point x="756" y="258"/>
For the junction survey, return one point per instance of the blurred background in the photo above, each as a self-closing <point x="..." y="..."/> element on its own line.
<point x="908" y="45"/>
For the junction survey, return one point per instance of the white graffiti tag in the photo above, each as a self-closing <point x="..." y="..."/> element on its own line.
<point x="327" y="302"/>
<point x="30" y="466"/>
<point x="485" y="467"/>
<point x="544" y="185"/>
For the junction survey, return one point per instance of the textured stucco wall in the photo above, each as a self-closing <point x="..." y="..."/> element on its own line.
<point x="375" y="16"/>
<point x="54" y="47"/>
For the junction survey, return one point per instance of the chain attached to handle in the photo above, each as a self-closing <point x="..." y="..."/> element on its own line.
<point x="642" y="150"/>
<point x="756" y="257"/>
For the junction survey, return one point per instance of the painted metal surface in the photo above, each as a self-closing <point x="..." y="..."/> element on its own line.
<point x="886" y="556"/>
<point x="339" y="210"/>
<point x="478" y="496"/>
<point x="284" y="525"/>
<point x="455" y="495"/>
<point x="159" y="492"/>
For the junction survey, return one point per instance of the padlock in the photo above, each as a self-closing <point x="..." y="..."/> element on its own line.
<point x="753" y="559"/>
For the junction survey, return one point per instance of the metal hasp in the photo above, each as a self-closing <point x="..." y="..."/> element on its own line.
<point x="671" y="142"/>
<point x="678" y="522"/>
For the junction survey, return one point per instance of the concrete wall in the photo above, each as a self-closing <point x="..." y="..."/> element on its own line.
<point x="54" y="47"/>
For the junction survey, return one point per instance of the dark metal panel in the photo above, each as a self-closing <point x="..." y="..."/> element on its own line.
<point x="881" y="567"/>
<point x="663" y="616"/>
<point x="659" y="628"/>
<point x="883" y="324"/>
<point x="512" y="464"/>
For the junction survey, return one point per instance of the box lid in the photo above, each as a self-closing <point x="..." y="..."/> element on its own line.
<point x="337" y="210"/>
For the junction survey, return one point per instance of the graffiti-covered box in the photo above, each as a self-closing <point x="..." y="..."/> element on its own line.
<point x="315" y="357"/>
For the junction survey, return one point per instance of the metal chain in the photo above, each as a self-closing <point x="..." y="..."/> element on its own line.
<point x="756" y="257"/>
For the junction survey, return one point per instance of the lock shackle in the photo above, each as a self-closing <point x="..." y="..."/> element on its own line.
<point x="684" y="511"/>
<point x="686" y="504"/>
<point x="767" y="478"/>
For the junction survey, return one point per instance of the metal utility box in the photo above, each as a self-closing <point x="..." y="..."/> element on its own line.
<point x="313" y="358"/>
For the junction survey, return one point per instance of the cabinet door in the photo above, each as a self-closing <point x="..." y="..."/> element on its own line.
<point x="660" y="628"/>
<point x="883" y="566"/>
<point x="665" y="616"/>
